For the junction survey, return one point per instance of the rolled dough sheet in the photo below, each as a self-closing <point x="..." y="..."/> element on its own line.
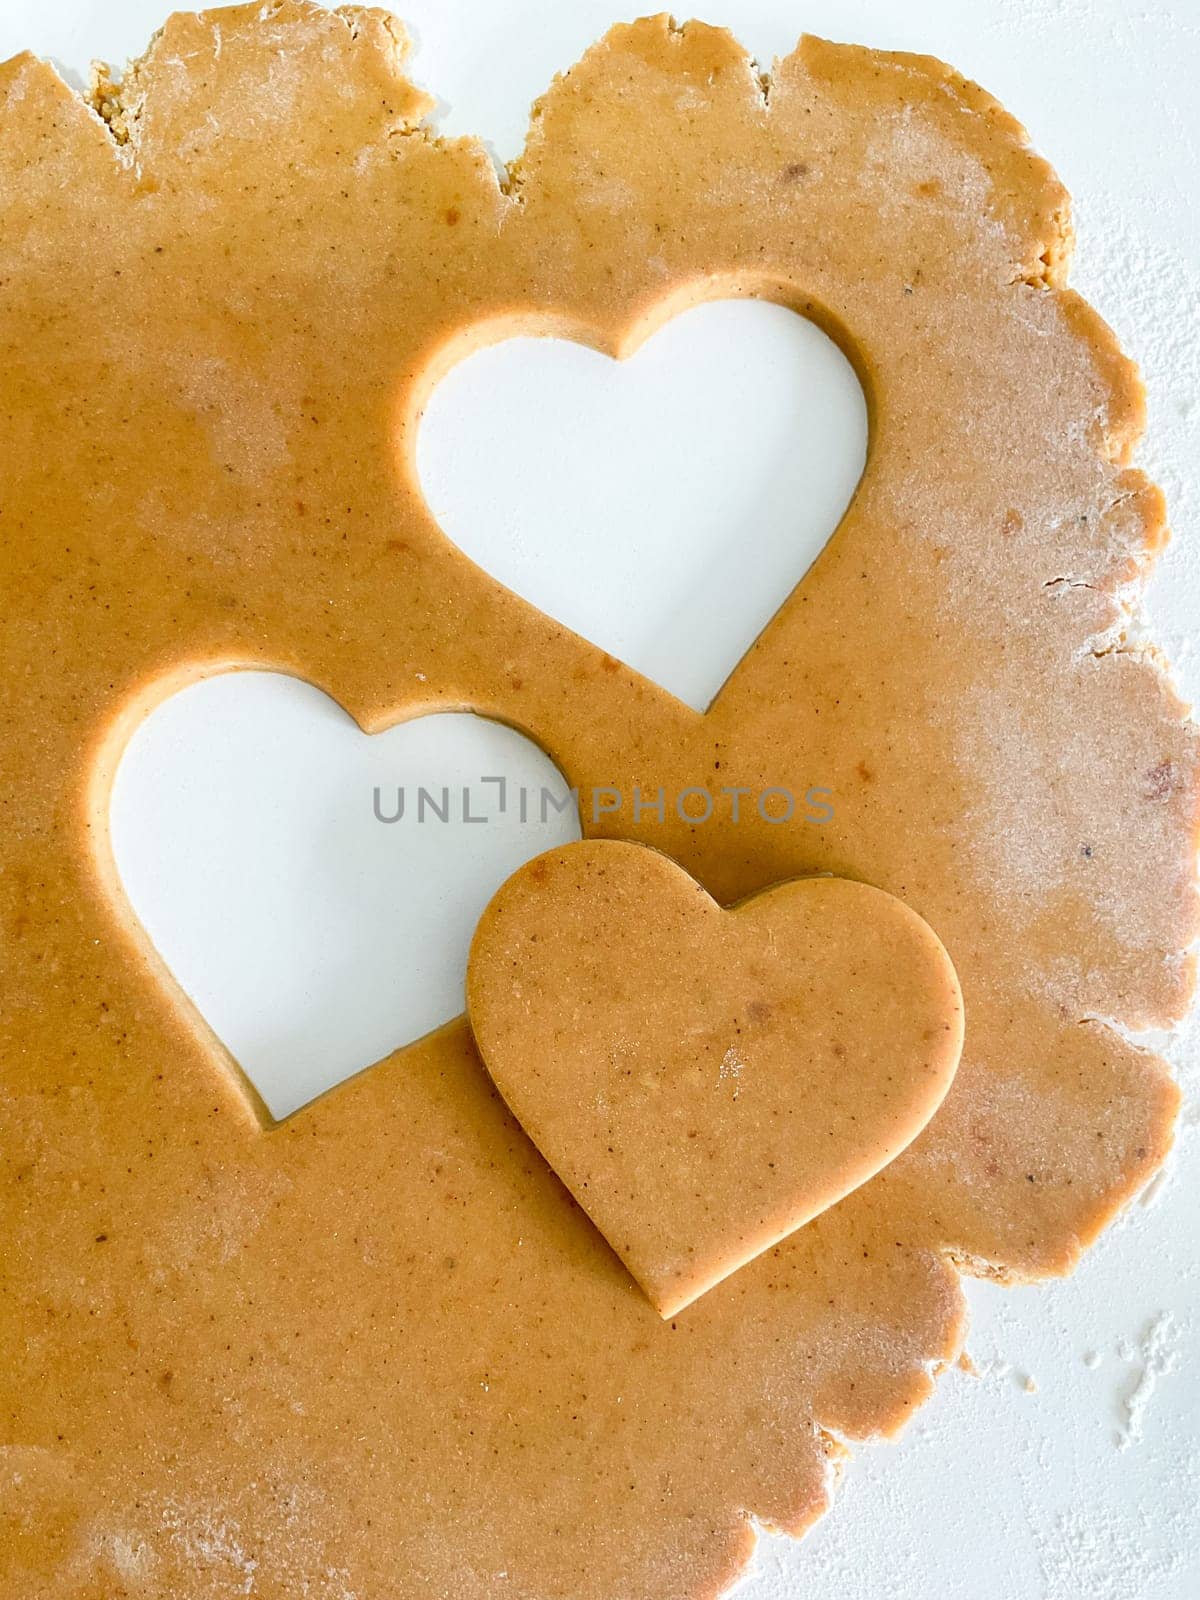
<point x="376" y="1351"/>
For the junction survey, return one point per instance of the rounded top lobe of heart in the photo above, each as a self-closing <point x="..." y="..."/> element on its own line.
<point x="706" y="1081"/>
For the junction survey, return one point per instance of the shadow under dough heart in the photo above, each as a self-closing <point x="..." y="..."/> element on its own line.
<point x="255" y="832"/>
<point x="663" y="507"/>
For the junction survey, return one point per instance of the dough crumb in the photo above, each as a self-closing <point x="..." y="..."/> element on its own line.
<point x="104" y="96"/>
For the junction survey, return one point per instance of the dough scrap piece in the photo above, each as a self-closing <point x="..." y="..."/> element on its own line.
<point x="374" y="1352"/>
<point x="704" y="1081"/>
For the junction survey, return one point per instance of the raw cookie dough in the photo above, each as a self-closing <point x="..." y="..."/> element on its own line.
<point x="704" y="1081"/>
<point x="376" y="1352"/>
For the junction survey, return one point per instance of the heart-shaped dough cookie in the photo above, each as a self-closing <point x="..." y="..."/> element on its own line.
<point x="706" y="1081"/>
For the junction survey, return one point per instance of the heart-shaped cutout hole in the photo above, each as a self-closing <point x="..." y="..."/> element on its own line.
<point x="662" y="507"/>
<point x="254" y="828"/>
<point x="706" y="1081"/>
